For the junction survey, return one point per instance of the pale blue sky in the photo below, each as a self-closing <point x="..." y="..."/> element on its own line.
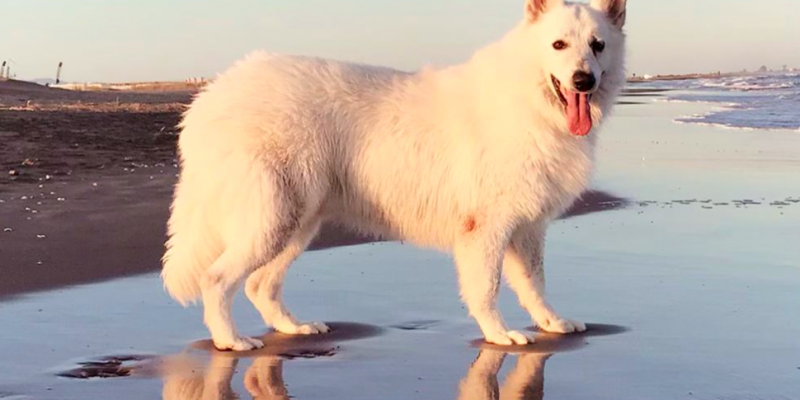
<point x="134" y="40"/>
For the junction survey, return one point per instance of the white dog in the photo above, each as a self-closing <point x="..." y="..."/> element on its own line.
<point x="475" y="159"/>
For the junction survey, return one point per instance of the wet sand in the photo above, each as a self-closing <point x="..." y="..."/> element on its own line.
<point x="690" y="290"/>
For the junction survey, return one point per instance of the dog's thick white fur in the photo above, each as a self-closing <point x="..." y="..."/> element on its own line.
<point x="475" y="159"/>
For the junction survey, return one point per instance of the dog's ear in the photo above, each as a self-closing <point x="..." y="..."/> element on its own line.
<point x="614" y="9"/>
<point x="535" y="8"/>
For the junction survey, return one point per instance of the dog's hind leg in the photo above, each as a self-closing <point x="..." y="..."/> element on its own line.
<point x="264" y="287"/>
<point x="262" y="215"/>
<point x="218" y="287"/>
<point x="523" y="267"/>
<point x="478" y="254"/>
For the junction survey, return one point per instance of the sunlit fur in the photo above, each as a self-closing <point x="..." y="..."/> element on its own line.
<point x="474" y="159"/>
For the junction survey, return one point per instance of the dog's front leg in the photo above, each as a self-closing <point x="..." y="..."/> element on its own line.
<point x="478" y="255"/>
<point x="523" y="267"/>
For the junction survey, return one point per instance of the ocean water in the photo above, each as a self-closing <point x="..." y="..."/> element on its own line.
<point x="768" y="101"/>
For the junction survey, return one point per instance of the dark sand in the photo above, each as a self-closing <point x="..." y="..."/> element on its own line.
<point x="690" y="290"/>
<point x="86" y="185"/>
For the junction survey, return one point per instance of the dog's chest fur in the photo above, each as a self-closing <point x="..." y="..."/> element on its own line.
<point x="421" y="169"/>
<point x="540" y="179"/>
<point x="420" y="191"/>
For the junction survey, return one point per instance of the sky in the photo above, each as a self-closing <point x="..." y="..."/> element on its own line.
<point x="147" y="40"/>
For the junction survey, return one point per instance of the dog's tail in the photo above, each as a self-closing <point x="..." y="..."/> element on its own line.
<point x="191" y="248"/>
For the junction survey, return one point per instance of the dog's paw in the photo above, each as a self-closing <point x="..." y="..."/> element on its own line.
<point x="560" y="325"/>
<point x="239" y="344"/>
<point x="310" y="328"/>
<point x="509" y="338"/>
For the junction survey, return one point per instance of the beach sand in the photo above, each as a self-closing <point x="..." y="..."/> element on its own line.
<point x="690" y="289"/>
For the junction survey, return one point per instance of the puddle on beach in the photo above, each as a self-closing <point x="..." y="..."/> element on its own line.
<point x="279" y="346"/>
<point x="202" y="373"/>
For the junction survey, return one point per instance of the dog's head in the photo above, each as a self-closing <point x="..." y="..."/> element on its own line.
<point x="580" y="50"/>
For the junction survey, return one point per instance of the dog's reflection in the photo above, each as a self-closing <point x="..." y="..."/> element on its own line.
<point x="524" y="382"/>
<point x="188" y="377"/>
<point x="263" y="380"/>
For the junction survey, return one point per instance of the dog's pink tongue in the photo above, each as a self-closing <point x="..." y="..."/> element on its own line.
<point x="579" y="116"/>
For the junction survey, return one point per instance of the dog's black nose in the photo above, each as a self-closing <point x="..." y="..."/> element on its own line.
<point x="583" y="81"/>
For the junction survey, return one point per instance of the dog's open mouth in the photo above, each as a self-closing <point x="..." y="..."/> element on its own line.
<point x="577" y="107"/>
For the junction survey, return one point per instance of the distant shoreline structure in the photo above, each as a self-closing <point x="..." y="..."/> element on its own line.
<point x="188" y="84"/>
<point x="683" y="77"/>
<point x="709" y="75"/>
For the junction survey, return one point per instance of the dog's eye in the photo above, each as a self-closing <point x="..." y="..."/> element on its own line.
<point x="598" y="45"/>
<point x="559" y="45"/>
